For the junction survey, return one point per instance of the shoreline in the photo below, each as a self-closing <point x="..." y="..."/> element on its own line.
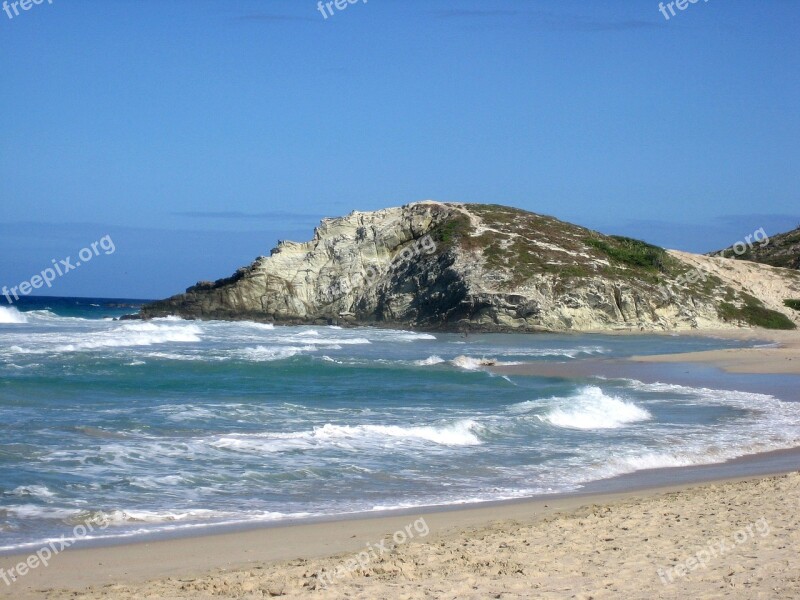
<point x="778" y="354"/>
<point x="210" y="553"/>
<point x="760" y="464"/>
<point x="167" y="564"/>
<point x="782" y="358"/>
<point x="193" y="553"/>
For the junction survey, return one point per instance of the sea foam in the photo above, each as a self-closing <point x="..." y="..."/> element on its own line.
<point x="10" y="315"/>
<point x="591" y="408"/>
<point x="353" y="437"/>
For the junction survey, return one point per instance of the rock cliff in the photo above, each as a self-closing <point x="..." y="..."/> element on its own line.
<point x="448" y="266"/>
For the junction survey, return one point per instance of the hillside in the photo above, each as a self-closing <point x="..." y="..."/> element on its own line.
<point x="448" y="266"/>
<point x="781" y="250"/>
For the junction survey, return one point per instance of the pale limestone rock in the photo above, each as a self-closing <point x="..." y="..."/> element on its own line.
<point x="411" y="266"/>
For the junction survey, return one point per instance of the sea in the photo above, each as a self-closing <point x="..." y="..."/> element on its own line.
<point x="170" y="426"/>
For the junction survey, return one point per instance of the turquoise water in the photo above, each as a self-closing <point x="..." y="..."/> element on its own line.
<point x="171" y="425"/>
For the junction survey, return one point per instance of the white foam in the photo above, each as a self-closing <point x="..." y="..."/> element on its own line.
<point x="654" y="460"/>
<point x="727" y="397"/>
<point x="154" y="483"/>
<point x="469" y="363"/>
<point x="320" y="341"/>
<point x="34" y="511"/>
<point x="409" y="336"/>
<point x="175" y="356"/>
<point x="10" y="315"/>
<point x="765" y="424"/>
<point x="593" y="409"/>
<point x="152" y="516"/>
<point x="395" y="335"/>
<point x="431" y="360"/>
<point x="544" y="352"/>
<point x="262" y="326"/>
<point x="185" y="412"/>
<point x="460" y="433"/>
<point x="47" y="315"/>
<point x="37" y="491"/>
<point x="271" y="353"/>
<point x="174" y="520"/>
<point x="128" y="335"/>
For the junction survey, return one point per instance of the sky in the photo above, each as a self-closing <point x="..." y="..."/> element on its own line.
<point x="196" y="134"/>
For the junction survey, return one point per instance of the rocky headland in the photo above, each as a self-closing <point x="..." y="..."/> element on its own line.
<point x="476" y="267"/>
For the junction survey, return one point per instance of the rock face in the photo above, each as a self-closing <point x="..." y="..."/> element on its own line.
<point x="432" y="265"/>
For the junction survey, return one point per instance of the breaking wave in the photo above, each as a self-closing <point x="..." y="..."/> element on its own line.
<point x="431" y="360"/>
<point x="461" y="433"/>
<point x="9" y="314"/>
<point x="593" y="409"/>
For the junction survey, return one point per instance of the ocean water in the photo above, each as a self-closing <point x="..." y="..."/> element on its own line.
<point x="176" y="426"/>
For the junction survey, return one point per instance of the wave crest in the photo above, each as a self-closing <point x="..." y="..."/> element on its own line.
<point x="593" y="409"/>
<point x="460" y="433"/>
<point x="137" y="334"/>
<point x="9" y="315"/>
<point x="431" y="360"/>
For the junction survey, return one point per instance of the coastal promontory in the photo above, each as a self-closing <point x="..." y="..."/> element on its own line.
<point x="483" y="267"/>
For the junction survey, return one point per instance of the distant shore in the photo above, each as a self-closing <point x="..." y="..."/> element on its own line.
<point x="778" y="353"/>
<point x="783" y="357"/>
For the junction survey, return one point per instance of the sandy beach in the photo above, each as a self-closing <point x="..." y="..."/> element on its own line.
<point x="774" y="353"/>
<point x="781" y="358"/>
<point x="733" y="539"/>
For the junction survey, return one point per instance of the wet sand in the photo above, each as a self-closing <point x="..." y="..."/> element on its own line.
<point x="783" y="359"/>
<point x="731" y="539"/>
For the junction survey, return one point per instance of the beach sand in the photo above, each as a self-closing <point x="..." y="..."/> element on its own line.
<point x="746" y="534"/>
<point x="784" y="358"/>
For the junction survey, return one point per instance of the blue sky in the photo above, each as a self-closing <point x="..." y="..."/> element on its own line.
<point x="198" y="133"/>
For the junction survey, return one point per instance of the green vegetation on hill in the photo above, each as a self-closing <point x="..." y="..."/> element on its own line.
<point x="793" y="304"/>
<point x="631" y="252"/>
<point x="523" y="244"/>
<point x="452" y="230"/>
<point x="756" y="314"/>
<point x="519" y="245"/>
<point x="779" y="250"/>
